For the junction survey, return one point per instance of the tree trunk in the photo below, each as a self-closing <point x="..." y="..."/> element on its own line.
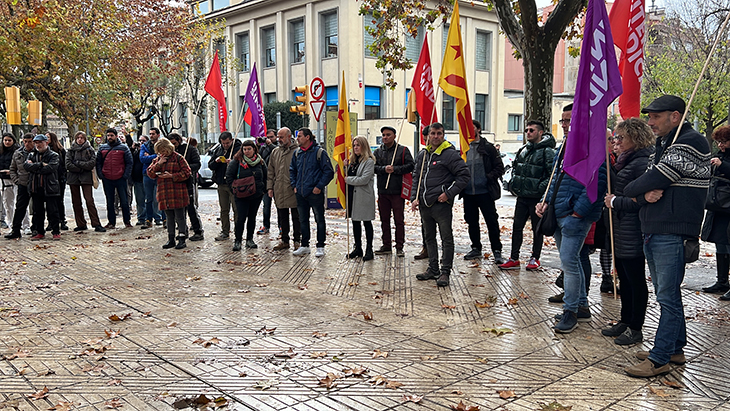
<point x="538" y="64"/>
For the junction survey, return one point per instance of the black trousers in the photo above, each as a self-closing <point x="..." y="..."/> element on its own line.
<point x="247" y="210"/>
<point x="282" y="215"/>
<point x="22" y="200"/>
<point x="472" y="205"/>
<point x="41" y="204"/>
<point x="524" y="209"/>
<point x="634" y="291"/>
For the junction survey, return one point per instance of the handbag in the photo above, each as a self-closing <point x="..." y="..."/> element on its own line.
<point x="691" y="249"/>
<point x="243" y="187"/>
<point x="549" y="221"/>
<point x="718" y="195"/>
<point x="405" y="192"/>
<point x="94" y="178"/>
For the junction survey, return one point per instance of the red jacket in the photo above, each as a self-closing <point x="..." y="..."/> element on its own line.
<point x="172" y="193"/>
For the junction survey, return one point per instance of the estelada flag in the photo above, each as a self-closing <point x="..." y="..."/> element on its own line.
<point x="343" y="142"/>
<point x="453" y="82"/>
<point x="598" y="85"/>
<point x="214" y="87"/>
<point x="627" y="27"/>
<point x="422" y="86"/>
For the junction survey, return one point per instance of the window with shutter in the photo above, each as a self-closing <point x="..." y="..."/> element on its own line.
<point x="297" y="41"/>
<point x="483" y="58"/>
<point x="268" y="43"/>
<point x="243" y="51"/>
<point x="329" y="33"/>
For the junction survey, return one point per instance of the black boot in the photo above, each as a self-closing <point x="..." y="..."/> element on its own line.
<point x="723" y="266"/>
<point x="170" y="242"/>
<point x="12" y="235"/>
<point x="368" y="254"/>
<point x="356" y="252"/>
<point x="607" y="284"/>
<point x="180" y="243"/>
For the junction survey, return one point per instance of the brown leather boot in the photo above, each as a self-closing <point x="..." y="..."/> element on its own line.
<point x="422" y="255"/>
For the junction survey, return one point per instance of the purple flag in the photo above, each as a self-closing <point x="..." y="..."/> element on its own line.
<point x="254" y="116"/>
<point x="599" y="83"/>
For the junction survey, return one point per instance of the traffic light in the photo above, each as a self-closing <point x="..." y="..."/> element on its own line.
<point x="304" y="99"/>
<point x="12" y="105"/>
<point x="34" y="112"/>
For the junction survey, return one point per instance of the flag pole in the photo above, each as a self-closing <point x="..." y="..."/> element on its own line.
<point x="610" y="225"/>
<point x="397" y="141"/>
<point x="704" y="68"/>
<point x="347" y="201"/>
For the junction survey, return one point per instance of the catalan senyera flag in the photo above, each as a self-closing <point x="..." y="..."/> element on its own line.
<point x="343" y="142"/>
<point x="453" y="82"/>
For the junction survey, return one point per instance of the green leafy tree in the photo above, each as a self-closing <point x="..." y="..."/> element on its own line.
<point x="533" y="37"/>
<point x="288" y="119"/>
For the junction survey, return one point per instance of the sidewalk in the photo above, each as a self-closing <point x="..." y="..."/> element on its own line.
<point x="264" y="330"/>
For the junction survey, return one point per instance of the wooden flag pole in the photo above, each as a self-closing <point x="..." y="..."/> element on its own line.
<point x="397" y="138"/>
<point x="610" y="225"/>
<point x="347" y="200"/>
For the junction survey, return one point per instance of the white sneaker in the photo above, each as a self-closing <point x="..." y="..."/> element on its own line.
<point x="319" y="252"/>
<point x="302" y="251"/>
<point x="27" y="231"/>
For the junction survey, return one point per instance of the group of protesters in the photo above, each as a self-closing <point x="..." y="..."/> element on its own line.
<point x="659" y="172"/>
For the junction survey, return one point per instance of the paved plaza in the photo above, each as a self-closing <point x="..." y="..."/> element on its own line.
<point x="113" y="321"/>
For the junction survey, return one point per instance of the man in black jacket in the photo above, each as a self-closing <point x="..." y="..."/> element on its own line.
<point x="44" y="188"/>
<point x="394" y="160"/>
<point x="220" y="156"/>
<point x="192" y="156"/>
<point x="671" y="194"/>
<point x="485" y="166"/>
<point x="443" y="177"/>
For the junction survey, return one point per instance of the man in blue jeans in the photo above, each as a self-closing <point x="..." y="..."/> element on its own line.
<point x="114" y="167"/>
<point x="146" y="155"/>
<point x="309" y="173"/>
<point x="671" y="194"/>
<point x="575" y="214"/>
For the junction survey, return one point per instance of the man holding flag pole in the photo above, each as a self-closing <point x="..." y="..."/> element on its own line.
<point x="582" y="184"/>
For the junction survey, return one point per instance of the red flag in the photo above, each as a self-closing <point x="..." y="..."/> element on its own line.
<point x="214" y="87"/>
<point x="422" y="85"/>
<point x="627" y="27"/>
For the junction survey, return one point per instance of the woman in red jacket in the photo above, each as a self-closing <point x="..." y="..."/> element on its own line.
<point x="171" y="171"/>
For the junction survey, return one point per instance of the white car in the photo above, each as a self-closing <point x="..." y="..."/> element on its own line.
<point x="507" y="159"/>
<point x="205" y="175"/>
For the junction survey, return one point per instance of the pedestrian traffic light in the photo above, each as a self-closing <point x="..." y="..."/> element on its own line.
<point x="34" y="112"/>
<point x="303" y="98"/>
<point x="12" y="105"/>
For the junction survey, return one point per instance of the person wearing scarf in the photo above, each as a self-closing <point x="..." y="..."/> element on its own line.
<point x="247" y="162"/>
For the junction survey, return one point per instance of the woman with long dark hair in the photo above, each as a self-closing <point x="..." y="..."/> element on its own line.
<point x="7" y="148"/>
<point x="247" y="162"/>
<point x="56" y="146"/>
<point x="80" y="163"/>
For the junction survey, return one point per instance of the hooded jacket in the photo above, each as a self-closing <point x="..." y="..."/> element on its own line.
<point x="80" y="160"/>
<point x="531" y="168"/>
<point x="682" y="169"/>
<point x="444" y="172"/>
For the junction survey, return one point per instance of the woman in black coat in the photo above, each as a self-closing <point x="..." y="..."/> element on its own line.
<point x="715" y="228"/>
<point x="636" y="142"/>
<point x="247" y="162"/>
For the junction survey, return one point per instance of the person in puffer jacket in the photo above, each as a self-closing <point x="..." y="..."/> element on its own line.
<point x="436" y="183"/>
<point x="114" y="167"/>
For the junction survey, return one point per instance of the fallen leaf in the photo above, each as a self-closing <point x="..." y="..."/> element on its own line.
<point x="457" y="392"/>
<point x="114" y="382"/>
<point x="412" y="398"/>
<point x="242" y="374"/>
<point x="673" y="384"/>
<point x="482" y="360"/>
<point x="505" y="394"/>
<point x="393" y="384"/>
<point x="194" y="278"/>
<point x="115" y="317"/>
<point x="554" y="406"/>
<point x="428" y="357"/>
<point x="497" y="331"/>
<point x="265" y="384"/>
<point x="355" y="372"/>
<point x="266" y="331"/>
<point x="463" y="407"/>
<point x="485" y="304"/>
<point x="220" y="402"/>
<point x="113" y="403"/>
<point x="329" y="381"/>
<point x="512" y="301"/>
<point x="46" y="372"/>
<point x="524" y="296"/>
<point x="473" y="265"/>
<point x="449" y="307"/>
<point x="286" y="354"/>
<point x="172" y="324"/>
<point x="112" y="334"/>
<point x="40" y="394"/>
<point x="658" y="392"/>
<point x="373" y="283"/>
<point x="318" y="354"/>
<point x="318" y="334"/>
<point x="353" y="284"/>
<point x="261" y="285"/>
<point x="302" y="287"/>
<point x="61" y="406"/>
<point x="244" y="291"/>
<point x="378" y="380"/>
<point x="22" y="371"/>
<point x="378" y="353"/>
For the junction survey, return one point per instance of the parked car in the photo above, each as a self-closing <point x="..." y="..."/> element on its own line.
<point x="507" y="159"/>
<point x="205" y="175"/>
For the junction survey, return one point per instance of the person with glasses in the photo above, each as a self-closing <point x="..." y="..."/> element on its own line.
<point x="531" y="171"/>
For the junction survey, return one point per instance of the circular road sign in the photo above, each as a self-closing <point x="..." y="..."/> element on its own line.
<point x="316" y="88"/>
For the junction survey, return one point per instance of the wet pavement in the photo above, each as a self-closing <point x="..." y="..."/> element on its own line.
<point x="102" y="321"/>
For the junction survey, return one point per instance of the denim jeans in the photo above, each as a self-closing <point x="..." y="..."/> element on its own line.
<point x="139" y="195"/>
<point x="441" y="215"/>
<point x="569" y="237"/>
<point x="665" y="257"/>
<point x="315" y="202"/>
<point x="110" y="187"/>
<point x="152" y="212"/>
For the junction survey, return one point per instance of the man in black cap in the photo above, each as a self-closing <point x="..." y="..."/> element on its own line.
<point x="44" y="188"/>
<point x="671" y="194"/>
<point x="394" y="160"/>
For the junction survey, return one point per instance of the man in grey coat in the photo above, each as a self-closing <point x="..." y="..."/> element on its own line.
<point x="435" y="188"/>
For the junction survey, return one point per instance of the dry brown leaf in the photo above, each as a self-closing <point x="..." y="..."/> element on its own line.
<point x="505" y="394"/>
<point x="61" y="406"/>
<point x="473" y="265"/>
<point x="113" y="403"/>
<point x="412" y="398"/>
<point x="485" y="304"/>
<point x="261" y="285"/>
<point x="114" y="382"/>
<point x="193" y="278"/>
<point x="524" y="296"/>
<point x="482" y="360"/>
<point x="378" y="353"/>
<point x="303" y="286"/>
<point x="318" y="354"/>
<point x="457" y="392"/>
<point x="378" y="380"/>
<point x="355" y="372"/>
<point x="448" y="307"/>
<point x="393" y="384"/>
<point x="115" y="317"/>
<point x="112" y="334"/>
<point x="673" y="384"/>
<point x="242" y="374"/>
<point x="373" y="283"/>
<point x="329" y="381"/>
<point x="512" y="301"/>
<point x="286" y="354"/>
<point x="318" y="334"/>
<point x="172" y="324"/>
<point x="266" y="331"/>
<point x="658" y="392"/>
<point x="463" y="407"/>
<point x="428" y="357"/>
<point x="40" y="394"/>
<point x="22" y="371"/>
<point x="352" y="284"/>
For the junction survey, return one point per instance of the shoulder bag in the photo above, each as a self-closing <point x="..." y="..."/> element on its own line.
<point x="407" y="180"/>
<point x="718" y="195"/>
<point x="243" y="187"/>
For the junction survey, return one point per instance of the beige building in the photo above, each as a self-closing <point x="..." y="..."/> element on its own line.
<point x="292" y="42"/>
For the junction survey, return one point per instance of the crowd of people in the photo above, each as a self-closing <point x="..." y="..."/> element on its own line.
<point x="659" y="172"/>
